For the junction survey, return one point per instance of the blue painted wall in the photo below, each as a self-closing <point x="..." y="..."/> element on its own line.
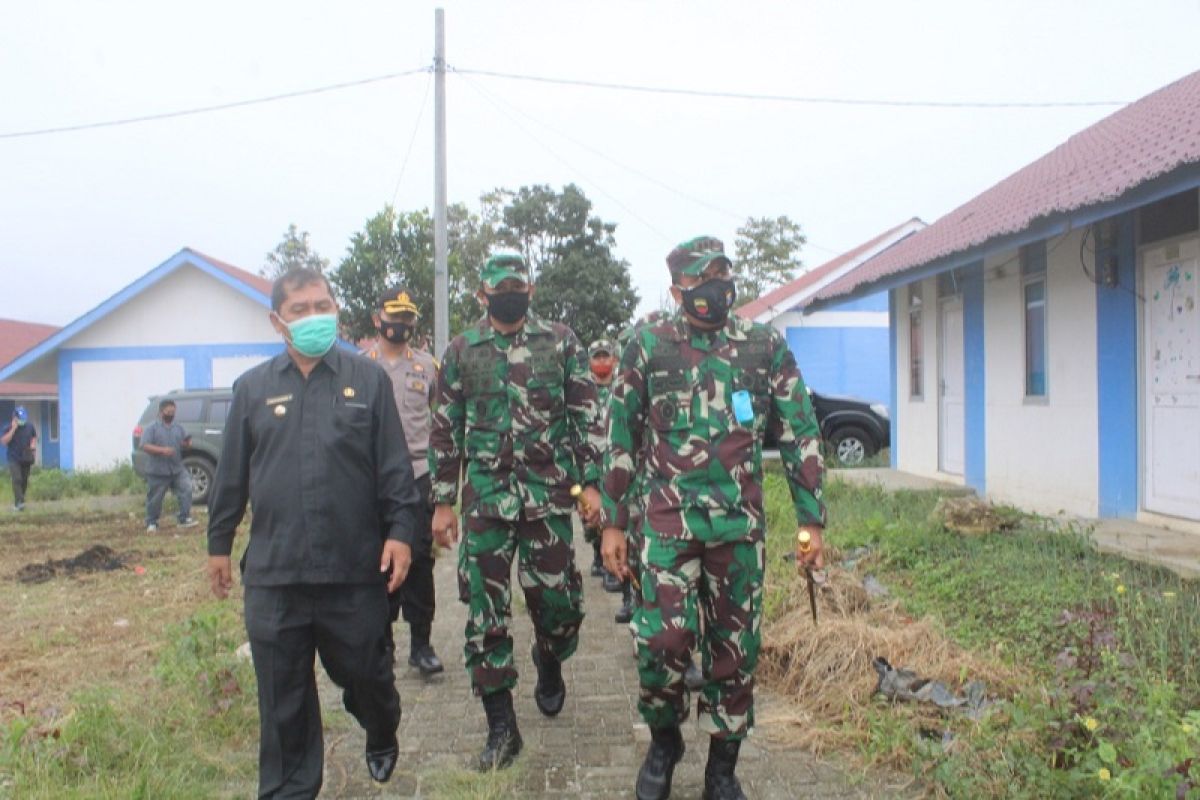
<point x="848" y="361"/>
<point x="975" y="380"/>
<point x="872" y="302"/>
<point x="893" y="366"/>
<point x="1117" y="377"/>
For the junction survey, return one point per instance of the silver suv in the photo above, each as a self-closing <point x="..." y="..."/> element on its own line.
<point x="202" y="414"/>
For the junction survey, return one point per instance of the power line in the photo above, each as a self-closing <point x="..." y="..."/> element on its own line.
<point x="641" y="174"/>
<point x="782" y="98"/>
<point x="412" y="139"/>
<point x="112" y="123"/>
<point x="516" y="122"/>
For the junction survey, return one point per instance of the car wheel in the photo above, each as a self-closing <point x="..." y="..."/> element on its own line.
<point x="851" y="446"/>
<point x="200" y="470"/>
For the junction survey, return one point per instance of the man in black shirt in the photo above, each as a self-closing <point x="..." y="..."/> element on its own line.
<point x="314" y="442"/>
<point x="21" y="440"/>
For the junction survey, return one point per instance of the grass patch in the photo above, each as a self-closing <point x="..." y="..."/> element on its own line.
<point x="123" y="683"/>
<point x="54" y="484"/>
<point x="1091" y="656"/>
<point x="462" y="784"/>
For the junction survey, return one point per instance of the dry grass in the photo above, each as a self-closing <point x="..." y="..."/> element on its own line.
<point x="825" y="671"/>
<point x="70" y="633"/>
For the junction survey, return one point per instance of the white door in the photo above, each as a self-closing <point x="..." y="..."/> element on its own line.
<point x="1172" y="380"/>
<point x="951" y="408"/>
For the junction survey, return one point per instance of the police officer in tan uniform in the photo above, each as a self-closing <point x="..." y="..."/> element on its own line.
<point x="414" y="375"/>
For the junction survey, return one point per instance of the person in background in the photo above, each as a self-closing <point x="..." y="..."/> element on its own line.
<point x="164" y="440"/>
<point x="414" y="374"/>
<point x="21" y="441"/>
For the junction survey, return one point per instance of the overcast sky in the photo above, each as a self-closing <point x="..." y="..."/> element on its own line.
<point x="84" y="213"/>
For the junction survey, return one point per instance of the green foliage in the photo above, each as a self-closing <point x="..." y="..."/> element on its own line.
<point x="579" y="280"/>
<point x="54" y="484"/>
<point x="292" y="252"/>
<point x="1110" y="645"/>
<point x="766" y="255"/>
<point x="153" y="742"/>
<point x="396" y="247"/>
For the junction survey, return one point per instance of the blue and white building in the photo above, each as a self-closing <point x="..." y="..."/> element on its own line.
<point x="192" y="322"/>
<point x="1044" y="336"/>
<point x="841" y="349"/>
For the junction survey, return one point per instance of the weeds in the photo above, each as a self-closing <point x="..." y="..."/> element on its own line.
<point x="1108" y="703"/>
<point x="158" y="742"/>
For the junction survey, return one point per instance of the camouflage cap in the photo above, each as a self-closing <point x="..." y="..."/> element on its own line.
<point x="501" y="266"/>
<point x="601" y="346"/>
<point x="397" y="300"/>
<point x="693" y="256"/>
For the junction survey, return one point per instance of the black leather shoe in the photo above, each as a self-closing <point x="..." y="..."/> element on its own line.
<point x="380" y="763"/>
<point x="654" y="778"/>
<point x="719" y="780"/>
<point x="611" y="583"/>
<point x="425" y="660"/>
<point x="504" y="740"/>
<point x="550" y="692"/>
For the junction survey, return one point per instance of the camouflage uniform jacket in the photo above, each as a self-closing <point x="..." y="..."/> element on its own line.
<point x="675" y="404"/>
<point x="521" y="410"/>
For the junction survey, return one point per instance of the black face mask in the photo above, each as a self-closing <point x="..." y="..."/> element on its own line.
<point x="508" y="307"/>
<point x="396" y="332"/>
<point x="710" y="301"/>
<point x="168" y="418"/>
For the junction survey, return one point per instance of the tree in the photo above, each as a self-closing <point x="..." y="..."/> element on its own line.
<point x="397" y="247"/>
<point x="767" y="254"/>
<point x="579" y="281"/>
<point x="292" y="252"/>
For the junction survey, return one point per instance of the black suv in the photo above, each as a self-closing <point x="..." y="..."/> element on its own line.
<point x="853" y="429"/>
<point x="202" y="414"/>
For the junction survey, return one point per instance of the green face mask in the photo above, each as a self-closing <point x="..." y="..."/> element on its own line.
<point x="313" y="336"/>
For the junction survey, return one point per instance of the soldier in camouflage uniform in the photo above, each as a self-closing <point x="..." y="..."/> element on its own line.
<point x="601" y="362"/>
<point x="695" y="396"/>
<point x="515" y="404"/>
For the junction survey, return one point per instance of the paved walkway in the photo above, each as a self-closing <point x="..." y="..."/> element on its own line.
<point x="591" y="750"/>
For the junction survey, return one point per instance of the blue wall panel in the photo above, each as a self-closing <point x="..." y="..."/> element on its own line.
<point x="1117" y="378"/>
<point x="849" y="361"/>
<point x="975" y="382"/>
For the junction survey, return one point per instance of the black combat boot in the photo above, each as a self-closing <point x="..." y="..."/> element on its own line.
<point x="625" y="613"/>
<point x="654" y="778"/>
<point x="597" y="561"/>
<point x="504" y="740"/>
<point x="611" y="583"/>
<point x="550" y="692"/>
<point x="719" y="780"/>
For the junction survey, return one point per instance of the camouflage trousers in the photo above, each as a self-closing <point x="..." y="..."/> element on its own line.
<point x="552" y="585"/>
<point x="687" y="581"/>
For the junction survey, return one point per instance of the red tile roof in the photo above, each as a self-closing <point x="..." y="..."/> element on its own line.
<point x="783" y="298"/>
<point x="15" y="338"/>
<point x="257" y="281"/>
<point x="1142" y="141"/>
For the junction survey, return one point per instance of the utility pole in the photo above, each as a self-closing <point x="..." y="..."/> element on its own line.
<point x="441" y="282"/>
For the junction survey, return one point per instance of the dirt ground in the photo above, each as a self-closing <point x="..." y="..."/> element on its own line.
<point x="86" y="595"/>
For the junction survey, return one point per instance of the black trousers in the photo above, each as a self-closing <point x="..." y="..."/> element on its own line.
<point x="19" y="472"/>
<point x="344" y="624"/>
<point x="416" y="597"/>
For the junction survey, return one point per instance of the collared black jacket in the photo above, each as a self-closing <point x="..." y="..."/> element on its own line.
<point x="324" y="465"/>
